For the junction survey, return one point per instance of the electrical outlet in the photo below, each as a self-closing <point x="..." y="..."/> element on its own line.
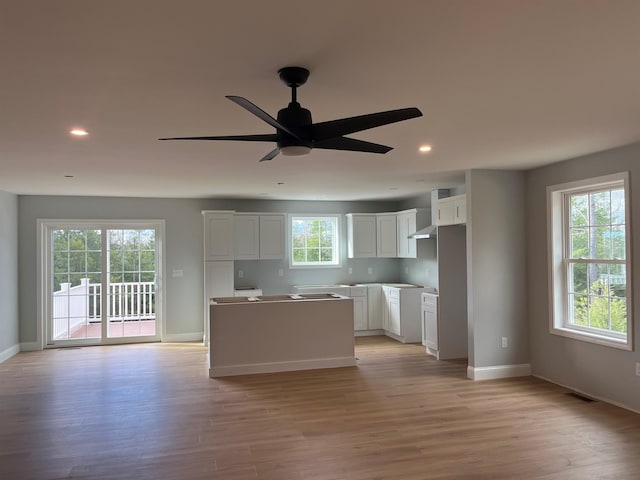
<point x="505" y="342"/>
<point x="370" y="271"/>
<point x="240" y="274"/>
<point x="280" y="273"/>
<point x="350" y="270"/>
<point x="406" y="269"/>
<point x="638" y="369"/>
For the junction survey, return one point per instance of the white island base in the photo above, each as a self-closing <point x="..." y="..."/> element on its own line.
<point x="277" y="334"/>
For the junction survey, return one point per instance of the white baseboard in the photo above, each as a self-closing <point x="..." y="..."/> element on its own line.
<point x="368" y="333"/>
<point x="30" y="346"/>
<point x="498" y="371"/>
<point x="9" y="352"/>
<point x="274" y="367"/>
<point x="183" y="337"/>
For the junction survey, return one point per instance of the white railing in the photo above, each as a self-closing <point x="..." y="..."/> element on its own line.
<point x="81" y="305"/>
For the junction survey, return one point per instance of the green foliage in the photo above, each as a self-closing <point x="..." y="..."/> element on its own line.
<point x="312" y="240"/>
<point x="601" y="309"/>
<point x="77" y="254"/>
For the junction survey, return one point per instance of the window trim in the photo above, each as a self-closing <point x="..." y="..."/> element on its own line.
<point x="557" y="271"/>
<point x="334" y="216"/>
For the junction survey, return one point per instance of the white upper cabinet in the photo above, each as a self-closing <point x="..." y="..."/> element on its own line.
<point x="272" y="242"/>
<point x="247" y="237"/>
<point x="460" y="209"/>
<point x="452" y="210"/>
<point x="406" y="223"/>
<point x="361" y="235"/>
<point x="218" y="235"/>
<point x="386" y="235"/>
<point x="259" y="237"/>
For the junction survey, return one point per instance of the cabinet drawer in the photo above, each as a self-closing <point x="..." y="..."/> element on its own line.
<point x="429" y="301"/>
<point x="394" y="293"/>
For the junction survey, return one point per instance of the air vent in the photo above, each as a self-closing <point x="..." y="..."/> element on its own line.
<point x="579" y="396"/>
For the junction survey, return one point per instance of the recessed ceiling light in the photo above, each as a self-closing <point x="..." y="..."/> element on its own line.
<point x="68" y="176"/>
<point x="425" y="148"/>
<point x="78" y="132"/>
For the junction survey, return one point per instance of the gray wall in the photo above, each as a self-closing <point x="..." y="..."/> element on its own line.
<point x="184" y="246"/>
<point x="9" y="341"/>
<point x="496" y="280"/>
<point x="422" y="270"/>
<point x="604" y="372"/>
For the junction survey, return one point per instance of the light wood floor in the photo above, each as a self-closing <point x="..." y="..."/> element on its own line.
<point x="150" y="412"/>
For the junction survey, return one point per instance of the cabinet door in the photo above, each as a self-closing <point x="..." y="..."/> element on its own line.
<point x="406" y="226"/>
<point x="387" y="235"/>
<point x="460" y="209"/>
<point x="445" y="212"/>
<point x="384" y="304"/>
<point x="430" y="316"/>
<point x="374" y="297"/>
<point x="394" y="316"/>
<point x="272" y="237"/>
<point x="360" y="313"/>
<point x="246" y="234"/>
<point x="361" y="234"/>
<point x="218" y="236"/>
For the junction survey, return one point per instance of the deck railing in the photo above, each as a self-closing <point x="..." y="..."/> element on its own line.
<point x="80" y="305"/>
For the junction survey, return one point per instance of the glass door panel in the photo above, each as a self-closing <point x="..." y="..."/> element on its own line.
<point x="131" y="299"/>
<point x="76" y="284"/>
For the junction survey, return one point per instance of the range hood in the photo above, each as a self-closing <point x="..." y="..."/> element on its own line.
<point x="427" y="232"/>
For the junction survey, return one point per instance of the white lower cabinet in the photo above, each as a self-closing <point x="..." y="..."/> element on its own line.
<point x="401" y="318"/>
<point x="430" y="323"/>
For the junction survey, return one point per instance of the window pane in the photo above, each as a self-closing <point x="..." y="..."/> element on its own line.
<point x="579" y="211"/>
<point x="77" y="240"/>
<point x="578" y="278"/>
<point x="579" y="243"/>
<point x="618" y="242"/>
<point x="600" y="206"/>
<point x="578" y="304"/>
<point x="602" y="241"/>
<point x="77" y="262"/>
<point x="617" y="207"/>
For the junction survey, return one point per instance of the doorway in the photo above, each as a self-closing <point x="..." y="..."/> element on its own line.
<point x="101" y="282"/>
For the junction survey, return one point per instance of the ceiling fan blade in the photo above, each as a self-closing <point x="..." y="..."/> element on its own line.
<point x="344" y="143"/>
<point x="344" y="126"/>
<point x="271" y="155"/>
<point x="269" y="137"/>
<point x="261" y="114"/>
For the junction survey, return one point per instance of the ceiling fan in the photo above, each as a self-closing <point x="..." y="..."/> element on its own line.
<point x="296" y="134"/>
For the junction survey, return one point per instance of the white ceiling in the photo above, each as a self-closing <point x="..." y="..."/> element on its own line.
<point x="502" y="84"/>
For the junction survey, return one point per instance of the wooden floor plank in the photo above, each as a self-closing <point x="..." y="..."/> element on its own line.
<point x="150" y="411"/>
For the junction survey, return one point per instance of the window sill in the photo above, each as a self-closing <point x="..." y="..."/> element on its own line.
<point x="593" y="338"/>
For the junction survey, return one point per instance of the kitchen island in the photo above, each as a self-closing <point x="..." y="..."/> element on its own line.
<point x="280" y="333"/>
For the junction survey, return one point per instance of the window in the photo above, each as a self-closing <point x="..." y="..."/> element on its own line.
<point x="589" y="260"/>
<point x="314" y="241"/>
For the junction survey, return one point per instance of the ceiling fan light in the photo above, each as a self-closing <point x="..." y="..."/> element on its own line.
<point x="295" y="150"/>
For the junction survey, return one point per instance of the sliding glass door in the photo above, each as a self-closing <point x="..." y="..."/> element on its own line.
<point x="101" y="283"/>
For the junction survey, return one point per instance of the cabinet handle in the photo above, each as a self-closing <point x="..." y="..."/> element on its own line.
<point x="457" y="212"/>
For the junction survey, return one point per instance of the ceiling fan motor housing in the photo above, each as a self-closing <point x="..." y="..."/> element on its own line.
<point x="298" y="120"/>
